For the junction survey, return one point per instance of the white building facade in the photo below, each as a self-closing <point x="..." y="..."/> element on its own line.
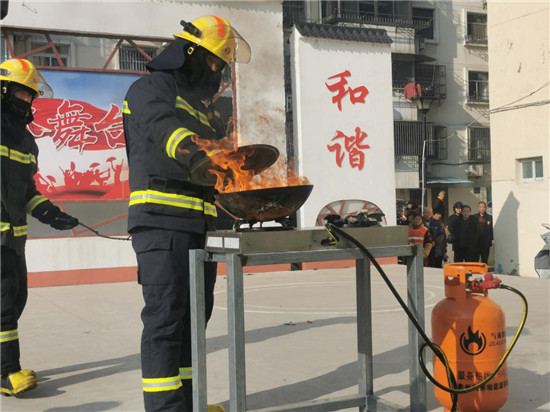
<point x="520" y="130"/>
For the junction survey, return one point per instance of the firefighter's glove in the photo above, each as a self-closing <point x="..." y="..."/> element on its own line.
<point x="63" y="221"/>
<point x="58" y="220"/>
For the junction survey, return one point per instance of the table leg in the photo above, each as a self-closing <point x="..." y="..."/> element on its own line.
<point x="235" y="322"/>
<point x="198" y="328"/>
<point x="364" y="328"/>
<point x="415" y="302"/>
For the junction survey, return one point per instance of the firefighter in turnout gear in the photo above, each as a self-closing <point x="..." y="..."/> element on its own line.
<point x="169" y="215"/>
<point x="20" y="86"/>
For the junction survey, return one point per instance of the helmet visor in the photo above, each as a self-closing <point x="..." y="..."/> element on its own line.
<point x="45" y="90"/>
<point x="225" y="41"/>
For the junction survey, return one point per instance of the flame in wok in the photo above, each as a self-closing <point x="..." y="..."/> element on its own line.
<point x="235" y="178"/>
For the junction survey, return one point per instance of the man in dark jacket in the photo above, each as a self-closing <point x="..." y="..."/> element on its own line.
<point x="168" y="214"/>
<point x="457" y="211"/>
<point x="484" y="232"/>
<point x="20" y="82"/>
<point x="436" y="231"/>
<point x="464" y="236"/>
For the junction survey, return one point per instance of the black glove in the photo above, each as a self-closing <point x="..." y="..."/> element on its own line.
<point x="57" y="219"/>
<point x="63" y="221"/>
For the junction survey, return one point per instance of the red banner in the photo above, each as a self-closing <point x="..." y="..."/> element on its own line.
<point x="88" y="149"/>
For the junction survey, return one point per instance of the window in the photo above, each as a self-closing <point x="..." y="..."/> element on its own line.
<point x="4" y="49"/>
<point x="47" y="57"/>
<point x="425" y="15"/>
<point x="130" y="58"/>
<point x="479" y="144"/>
<point x="476" y="31"/>
<point x="293" y="12"/>
<point x="531" y="169"/>
<point x="478" y="87"/>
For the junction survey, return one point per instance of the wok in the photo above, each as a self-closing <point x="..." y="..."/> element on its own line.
<point x="265" y="204"/>
<point x="258" y="157"/>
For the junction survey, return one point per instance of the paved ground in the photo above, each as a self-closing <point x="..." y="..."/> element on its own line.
<point x="83" y="341"/>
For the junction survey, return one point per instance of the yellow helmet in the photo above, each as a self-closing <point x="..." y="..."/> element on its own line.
<point x="20" y="71"/>
<point x="217" y="36"/>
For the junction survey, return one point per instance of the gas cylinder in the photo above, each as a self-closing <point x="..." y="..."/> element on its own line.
<point x="471" y="329"/>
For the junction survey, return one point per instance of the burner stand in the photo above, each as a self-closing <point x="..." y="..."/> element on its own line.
<point x="285" y="222"/>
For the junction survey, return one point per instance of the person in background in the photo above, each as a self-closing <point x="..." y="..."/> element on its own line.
<point x="406" y="215"/>
<point x="20" y="87"/>
<point x="163" y="114"/>
<point x="484" y="232"/>
<point x="440" y="243"/>
<point x="457" y="209"/>
<point x="419" y="234"/>
<point x="438" y="205"/>
<point x="465" y="236"/>
<point x="436" y="231"/>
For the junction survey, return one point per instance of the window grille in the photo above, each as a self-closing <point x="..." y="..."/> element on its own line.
<point x="479" y="144"/>
<point x="130" y="58"/>
<point x="437" y="148"/>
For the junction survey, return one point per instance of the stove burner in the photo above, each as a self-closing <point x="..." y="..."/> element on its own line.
<point x="285" y="222"/>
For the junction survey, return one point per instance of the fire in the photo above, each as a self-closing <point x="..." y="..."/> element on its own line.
<point x="235" y="177"/>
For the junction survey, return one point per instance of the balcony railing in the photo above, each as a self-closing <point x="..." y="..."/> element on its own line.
<point x="477" y="34"/>
<point x="431" y="78"/>
<point x="363" y="17"/>
<point x="478" y="91"/>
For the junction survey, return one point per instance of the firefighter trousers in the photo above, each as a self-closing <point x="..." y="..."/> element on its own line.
<point x="163" y="272"/>
<point x="14" y="297"/>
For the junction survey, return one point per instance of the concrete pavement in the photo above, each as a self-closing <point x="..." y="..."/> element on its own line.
<point x="83" y="342"/>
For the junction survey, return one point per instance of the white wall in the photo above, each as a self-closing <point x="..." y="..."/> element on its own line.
<point x="317" y="119"/>
<point x="519" y="72"/>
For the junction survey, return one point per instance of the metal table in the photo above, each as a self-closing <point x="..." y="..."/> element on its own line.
<point x="238" y="249"/>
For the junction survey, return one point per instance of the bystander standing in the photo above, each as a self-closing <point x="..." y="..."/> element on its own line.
<point x="484" y="232"/>
<point x="419" y="234"/>
<point x="465" y="236"/>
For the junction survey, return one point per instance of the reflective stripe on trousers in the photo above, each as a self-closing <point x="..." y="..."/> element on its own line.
<point x="161" y="384"/>
<point x="9" y="335"/>
<point x="186" y="373"/>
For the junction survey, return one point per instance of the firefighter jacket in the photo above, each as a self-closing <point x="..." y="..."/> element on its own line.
<point x="161" y="115"/>
<point x="19" y="194"/>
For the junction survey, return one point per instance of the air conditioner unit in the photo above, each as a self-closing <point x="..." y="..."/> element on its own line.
<point x="420" y="44"/>
<point x="475" y="170"/>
